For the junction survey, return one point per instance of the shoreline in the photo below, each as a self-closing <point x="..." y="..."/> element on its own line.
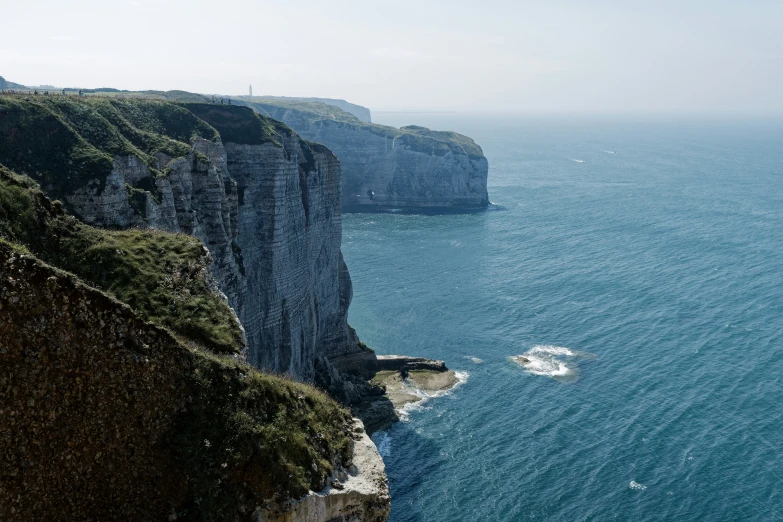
<point x="401" y="382"/>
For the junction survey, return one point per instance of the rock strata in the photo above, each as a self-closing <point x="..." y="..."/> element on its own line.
<point x="264" y="202"/>
<point x="383" y="167"/>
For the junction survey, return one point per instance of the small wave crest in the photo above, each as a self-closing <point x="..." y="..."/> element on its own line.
<point x="557" y="362"/>
<point x="578" y="160"/>
<point x="635" y="485"/>
<point x="551" y="350"/>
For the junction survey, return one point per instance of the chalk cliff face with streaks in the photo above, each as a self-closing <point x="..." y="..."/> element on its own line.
<point x="264" y="202"/>
<point x="383" y="167"/>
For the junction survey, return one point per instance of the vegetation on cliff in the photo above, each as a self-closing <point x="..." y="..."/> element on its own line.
<point x="267" y="436"/>
<point x="117" y="398"/>
<point x="105" y="416"/>
<point x="239" y="124"/>
<point x="65" y="142"/>
<point x="416" y="138"/>
<point x="163" y="276"/>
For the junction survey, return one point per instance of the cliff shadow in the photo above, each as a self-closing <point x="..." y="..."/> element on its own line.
<point x="411" y="460"/>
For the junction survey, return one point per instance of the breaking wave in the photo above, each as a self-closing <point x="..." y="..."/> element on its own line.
<point x="425" y="396"/>
<point x="557" y="362"/>
<point x="382" y="441"/>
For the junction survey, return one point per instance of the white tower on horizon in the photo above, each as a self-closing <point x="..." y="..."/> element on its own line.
<point x="251" y="91"/>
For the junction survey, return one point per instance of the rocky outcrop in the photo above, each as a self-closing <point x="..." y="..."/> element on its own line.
<point x="384" y="167"/>
<point x="392" y="381"/>
<point x="358" y="491"/>
<point x="404" y="363"/>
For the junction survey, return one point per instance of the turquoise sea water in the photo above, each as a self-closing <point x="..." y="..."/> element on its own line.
<point x="645" y="287"/>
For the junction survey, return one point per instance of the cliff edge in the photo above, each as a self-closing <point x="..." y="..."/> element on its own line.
<point x="385" y="167"/>
<point x="108" y="416"/>
<point x="264" y="202"/>
<point x="361" y="113"/>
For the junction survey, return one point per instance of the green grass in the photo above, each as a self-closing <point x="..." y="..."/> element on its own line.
<point x="63" y="143"/>
<point x="309" y="111"/>
<point x="417" y="138"/>
<point x="238" y="124"/>
<point x="248" y="435"/>
<point x="244" y="438"/>
<point x="163" y="276"/>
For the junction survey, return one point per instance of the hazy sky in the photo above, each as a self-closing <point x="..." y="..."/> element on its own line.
<point x="580" y="56"/>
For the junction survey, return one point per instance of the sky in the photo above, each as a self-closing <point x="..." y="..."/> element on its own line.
<point x="562" y="56"/>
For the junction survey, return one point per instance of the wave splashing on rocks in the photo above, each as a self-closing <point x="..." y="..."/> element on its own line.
<point x="557" y="362"/>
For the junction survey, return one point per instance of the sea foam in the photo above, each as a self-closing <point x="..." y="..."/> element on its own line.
<point x="382" y="441"/>
<point x="425" y="396"/>
<point x="557" y="362"/>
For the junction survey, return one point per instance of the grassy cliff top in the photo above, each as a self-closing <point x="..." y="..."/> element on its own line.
<point x="363" y="113"/>
<point x="238" y="124"/>
<point x="163" y="276"/>
<point x="235" y="125"/>
<point x="309" y="111"/>
<point x="64" y="142"/>
<point x="301" y="115"/>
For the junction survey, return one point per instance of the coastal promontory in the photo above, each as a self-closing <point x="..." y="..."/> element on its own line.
<point x="384" y="167"/>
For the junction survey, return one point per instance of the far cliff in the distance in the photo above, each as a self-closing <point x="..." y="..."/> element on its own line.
<point x="362" y="113"/>
<point x="384" y="167"/>
<point x="412" y="168"/>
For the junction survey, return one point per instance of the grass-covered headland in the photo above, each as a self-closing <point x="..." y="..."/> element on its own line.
<point x="421" y="139"/>
<point x="65" y="142"/>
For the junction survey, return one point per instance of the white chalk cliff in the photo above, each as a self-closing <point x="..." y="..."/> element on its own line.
<point x="383" y="167"/>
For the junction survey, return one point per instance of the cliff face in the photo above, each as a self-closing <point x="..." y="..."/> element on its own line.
<point x="264" y="202"/>
<point x="90" y="386"/>
<point x="411" y="167"/>
<point x="108" y="417"/>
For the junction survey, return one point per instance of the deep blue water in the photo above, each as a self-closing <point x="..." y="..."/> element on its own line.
<point x="660" y="268"/>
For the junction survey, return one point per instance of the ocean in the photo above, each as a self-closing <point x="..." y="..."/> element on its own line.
<point x="637" y="266"/>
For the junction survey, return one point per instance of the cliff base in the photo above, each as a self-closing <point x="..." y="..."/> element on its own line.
<point x="392" y="382"/>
